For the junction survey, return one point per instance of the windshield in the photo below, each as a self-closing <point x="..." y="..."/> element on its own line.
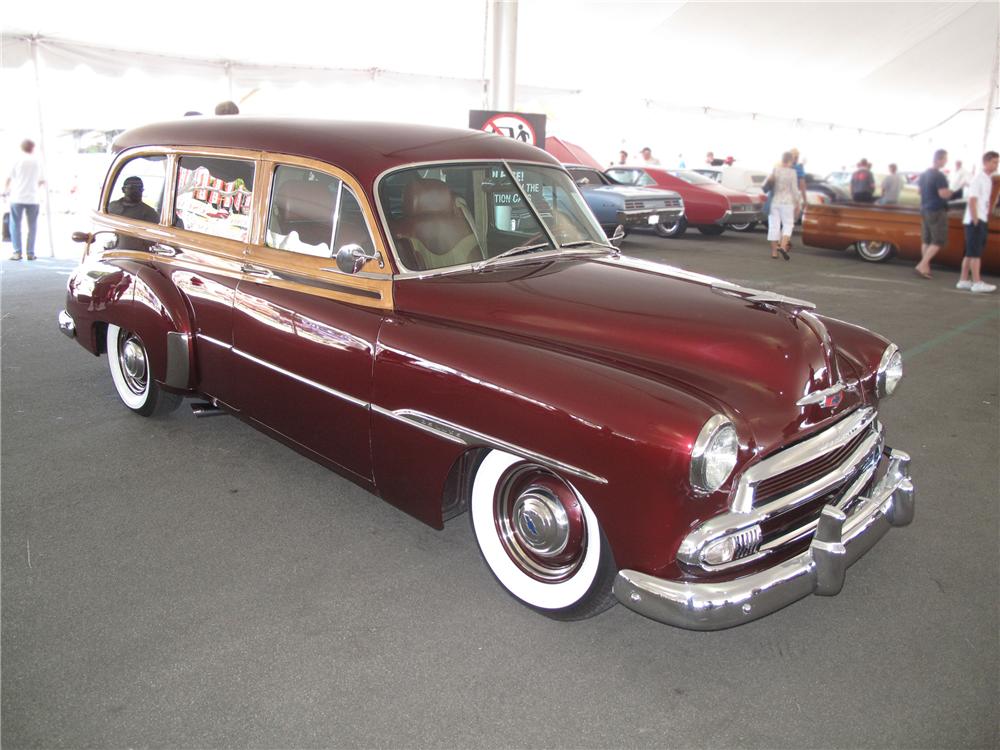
<point x="691" y="177"/>
<point x="457" y="214"/>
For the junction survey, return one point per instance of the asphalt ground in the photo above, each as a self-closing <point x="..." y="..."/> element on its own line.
<point x="191" y="583"/>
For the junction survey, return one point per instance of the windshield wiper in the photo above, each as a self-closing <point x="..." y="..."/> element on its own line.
<point x="507" y="253"/>
<point x="581" y="243"/>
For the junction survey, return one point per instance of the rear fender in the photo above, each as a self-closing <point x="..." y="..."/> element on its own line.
<point x="136" y="297"/>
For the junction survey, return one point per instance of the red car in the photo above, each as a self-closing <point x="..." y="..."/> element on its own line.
<point x="709" y="206"/>
<point x="437" y="316"/>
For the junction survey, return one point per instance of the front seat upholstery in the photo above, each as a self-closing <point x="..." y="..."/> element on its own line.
<point x="434" y="231"/>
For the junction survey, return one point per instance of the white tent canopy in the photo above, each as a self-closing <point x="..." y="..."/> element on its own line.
<point x="840" y="80"/>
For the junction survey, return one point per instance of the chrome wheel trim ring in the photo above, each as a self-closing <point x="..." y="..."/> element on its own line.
<point x="543" y="538"/>
<point x="132" y="362"/>
<point x="874" y="249"/>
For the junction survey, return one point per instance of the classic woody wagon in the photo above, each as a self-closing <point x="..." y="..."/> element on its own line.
<point x="437" y="316"/>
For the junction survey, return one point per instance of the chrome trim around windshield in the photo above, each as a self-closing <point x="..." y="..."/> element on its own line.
<point x="456" y="433"/>
<point x="403" y="271"/>
<point x="819" y="445"/>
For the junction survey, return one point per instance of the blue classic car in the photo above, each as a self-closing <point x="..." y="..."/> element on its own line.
<point x="626" y="205"/>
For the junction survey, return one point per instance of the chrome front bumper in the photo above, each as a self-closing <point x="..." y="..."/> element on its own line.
<point x="838" y="543"/>
<point x="66" y="324"/>
<point x="641" y="216"/>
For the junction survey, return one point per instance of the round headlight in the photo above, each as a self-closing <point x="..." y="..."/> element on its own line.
<point x="890" y="371"/>
<point x="714" y="454"/>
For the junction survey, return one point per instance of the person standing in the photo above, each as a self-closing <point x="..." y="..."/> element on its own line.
<point x="785" y="197"/>
<point x="977" y="216"/>
<point x="960" y="178"/>
<point x="934" y="197"/>
<point x="863" y="183"/>
<point x="622" y="157"/>
<point x="892" y="185"/>
<point x="22" y="188"/>
<point x="648" y="160"/>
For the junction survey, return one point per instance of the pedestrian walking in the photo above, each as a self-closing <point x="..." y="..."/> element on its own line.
<point x="783" y="185"/>
<point x="22" y="189"/>
<point x="934" y="197"/>
<point x="977" y="216"/>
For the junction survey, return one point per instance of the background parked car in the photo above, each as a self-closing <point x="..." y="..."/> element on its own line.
<point x="709" y="206"/>
<point x="749" y="181"/>
<point x="629" y="206"/>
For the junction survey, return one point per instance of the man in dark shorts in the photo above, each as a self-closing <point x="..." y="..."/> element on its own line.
<point x="977" y="216"/>
<point x="934" y="196"/>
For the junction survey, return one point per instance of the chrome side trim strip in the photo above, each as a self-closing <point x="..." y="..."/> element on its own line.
<point x="210" y="340"/>
<point x="819" y="445"/>
<point x="465" y="436"/>
<point x="441" y="428"/>
<point x="299" y="378"/>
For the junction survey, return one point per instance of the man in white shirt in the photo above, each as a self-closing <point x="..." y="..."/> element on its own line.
<point x="959" y="179"/>
<point x="977" y="216"/>
<point x="22" y="187"/>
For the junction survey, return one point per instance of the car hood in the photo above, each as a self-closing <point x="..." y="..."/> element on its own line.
<point x="752" y="360"/>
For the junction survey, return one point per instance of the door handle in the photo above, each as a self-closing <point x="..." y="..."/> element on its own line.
<point x="252" y="270"/>
<point x="166" y="250"/>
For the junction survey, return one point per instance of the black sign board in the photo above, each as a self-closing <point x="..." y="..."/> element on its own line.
<point x="521" y="126"/>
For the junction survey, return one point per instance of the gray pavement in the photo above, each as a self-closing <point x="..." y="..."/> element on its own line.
<point x="191" y="583"/>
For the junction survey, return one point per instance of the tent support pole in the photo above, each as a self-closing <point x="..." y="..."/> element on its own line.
<point x="991" y="98"/>
<point x="504" y="54"/>
<point x="41" y="138"/>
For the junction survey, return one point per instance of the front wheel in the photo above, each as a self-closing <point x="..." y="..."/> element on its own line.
<point x="540" y="539"/>
<point x="129" y="364"/>
<point x="671" y="231"/>
<point x="874" y="251"/>
<point x="712" y="230"/>
<point x="745" y="227"/>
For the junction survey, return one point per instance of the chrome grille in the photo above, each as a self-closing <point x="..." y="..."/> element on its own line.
<point x="801" y="475"/>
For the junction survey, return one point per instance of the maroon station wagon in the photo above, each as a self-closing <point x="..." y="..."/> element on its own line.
<point x="436" y="315"/>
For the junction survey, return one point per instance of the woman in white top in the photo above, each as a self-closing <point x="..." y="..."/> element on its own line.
<point x="785" y="199"/>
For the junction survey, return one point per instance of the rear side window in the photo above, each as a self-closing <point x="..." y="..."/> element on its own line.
<point x="313" y="213"/>
<point x="213" y="196"/>
<point x="138" y="189"/>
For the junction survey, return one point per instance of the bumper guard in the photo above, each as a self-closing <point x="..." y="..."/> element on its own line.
<point x="838" y="543"/>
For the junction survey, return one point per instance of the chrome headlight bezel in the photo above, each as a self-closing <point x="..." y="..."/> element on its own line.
<point x="890" y="371"/>
<point x="717" y="435"/>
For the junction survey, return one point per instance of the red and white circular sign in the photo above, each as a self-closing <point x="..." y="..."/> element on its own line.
<point x="512" y="126"/>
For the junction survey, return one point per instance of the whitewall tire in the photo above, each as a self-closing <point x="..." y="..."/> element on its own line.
<point x="540" y="538"/>
<point x="128" y="361"/>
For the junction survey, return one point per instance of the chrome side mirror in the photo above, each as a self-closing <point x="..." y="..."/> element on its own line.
<point x="351" y="258"/>
<point x="618" y="236"/>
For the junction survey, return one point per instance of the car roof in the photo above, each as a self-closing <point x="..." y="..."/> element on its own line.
<point x="365" y="149"/>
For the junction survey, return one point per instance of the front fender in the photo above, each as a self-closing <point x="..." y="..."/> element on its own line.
<point x="622" y="437"/>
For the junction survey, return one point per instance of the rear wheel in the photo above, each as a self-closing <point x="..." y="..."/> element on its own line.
<point x="711" y="230"/>
<point x="747" y="227"/>
<point x="672" y="230"/>
<point x="540" y="539"/>
<point x="128" y="361"/>
<point x="875" y="251"/>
